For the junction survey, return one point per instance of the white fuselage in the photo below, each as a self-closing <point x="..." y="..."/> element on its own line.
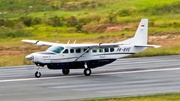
<point x="78" y="54"/>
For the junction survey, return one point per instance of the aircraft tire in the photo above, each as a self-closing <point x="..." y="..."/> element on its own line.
<point x="65" y="71"/>
<point x="87" y="72"/>
<point x="37" y="74"/>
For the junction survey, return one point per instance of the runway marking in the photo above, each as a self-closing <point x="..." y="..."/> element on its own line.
<point x="139" y="71"/>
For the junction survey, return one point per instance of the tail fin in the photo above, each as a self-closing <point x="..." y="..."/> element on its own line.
<point x="141" y="35"/>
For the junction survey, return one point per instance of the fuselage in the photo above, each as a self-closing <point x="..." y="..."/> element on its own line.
<point x="58" y="55"/>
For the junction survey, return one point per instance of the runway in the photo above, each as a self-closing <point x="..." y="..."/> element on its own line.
<point x="124" y="77"/>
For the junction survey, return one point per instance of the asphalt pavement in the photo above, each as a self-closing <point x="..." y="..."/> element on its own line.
<point x="124" y="77"/>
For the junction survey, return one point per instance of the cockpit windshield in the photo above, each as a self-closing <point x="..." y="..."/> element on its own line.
<point x="56" y="49"/>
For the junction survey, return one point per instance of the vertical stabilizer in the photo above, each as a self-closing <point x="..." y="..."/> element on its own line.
<point x="141" y="35"/>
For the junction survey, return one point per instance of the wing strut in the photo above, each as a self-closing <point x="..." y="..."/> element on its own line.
<point x="68" y="42"/>
<point x="74" y="42"/>
<point x="83" y="53"/>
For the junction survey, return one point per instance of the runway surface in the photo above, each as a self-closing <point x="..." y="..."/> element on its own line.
<point x="124" y="77"/>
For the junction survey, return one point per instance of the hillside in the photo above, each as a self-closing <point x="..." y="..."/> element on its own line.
<point x="87" y="21"/>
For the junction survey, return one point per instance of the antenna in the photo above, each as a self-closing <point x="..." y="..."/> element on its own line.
<point x="112" y="41"/>
<point x="68" y="42"/>
<point x="74" y="42"/>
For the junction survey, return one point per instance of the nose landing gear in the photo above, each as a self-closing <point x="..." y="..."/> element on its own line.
<point x="37" y="73"/>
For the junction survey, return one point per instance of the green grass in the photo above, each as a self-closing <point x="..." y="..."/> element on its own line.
<point x="123" y="12"/>
<point x="14" y="60"/>
<point x="159" y="51"/>
<point x="158" y="97"/>
<point x="55" y="20"/>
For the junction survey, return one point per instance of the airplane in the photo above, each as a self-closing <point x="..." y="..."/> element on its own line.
<point x="88" y="56"/>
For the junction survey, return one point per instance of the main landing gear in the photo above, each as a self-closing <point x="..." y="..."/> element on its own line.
<point x="87" y="71"/>
<point x="65" y="71"/>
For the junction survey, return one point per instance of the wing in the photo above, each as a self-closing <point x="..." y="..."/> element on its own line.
<point x="95" y="45"/>
<point x="40" y="43"/>
<point x="43" y="43"/>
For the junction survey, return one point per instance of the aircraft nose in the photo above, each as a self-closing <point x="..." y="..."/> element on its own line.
<point x="29" y="57"/>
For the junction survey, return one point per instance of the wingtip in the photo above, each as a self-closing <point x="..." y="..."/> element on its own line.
<point x="157" y="46"/>
<point x="22" y="40"/>
<point x="30" y="41"/>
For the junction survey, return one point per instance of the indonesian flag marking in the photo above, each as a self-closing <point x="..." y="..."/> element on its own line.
<point x="142" y="25"/>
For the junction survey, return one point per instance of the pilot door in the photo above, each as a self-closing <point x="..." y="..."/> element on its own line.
<point x="65" y="56"/>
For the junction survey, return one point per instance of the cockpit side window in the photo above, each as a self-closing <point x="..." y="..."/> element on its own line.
<point x="56" y="49"/>
<point x="66" y="51"/>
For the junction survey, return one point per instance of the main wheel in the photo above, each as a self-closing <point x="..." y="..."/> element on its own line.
<point x="37" y="74"/>
<point x="65" y="71"/>
<point x="87" y="72"/>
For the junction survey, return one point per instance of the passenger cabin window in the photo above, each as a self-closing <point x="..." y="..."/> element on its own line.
<point x="66" y="51"/>
<point x="111" y="49"/>
<point x="56" y="49"/>
<point x="71" y="50"/>
<point x="78" y="50"/>
<point x="106" y="49"/>
<point x="85" y="50"/>
<point x="94" y="50"/>
<point x="100" y="50"/>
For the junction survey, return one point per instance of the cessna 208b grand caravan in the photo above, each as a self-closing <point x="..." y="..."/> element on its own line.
<point x="87" y="56"/>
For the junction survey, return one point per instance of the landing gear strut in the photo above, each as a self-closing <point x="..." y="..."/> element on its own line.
<point x="37" y="73"/>
<point x="87" y="71"/>
<point x="65" y="71"/>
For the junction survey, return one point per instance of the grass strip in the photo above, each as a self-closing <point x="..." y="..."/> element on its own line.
<point x="157" y="97"/>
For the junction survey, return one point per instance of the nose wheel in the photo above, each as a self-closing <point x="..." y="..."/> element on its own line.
<point x="37" y="74"/>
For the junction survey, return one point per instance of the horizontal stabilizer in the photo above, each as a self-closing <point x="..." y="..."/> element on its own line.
<point x="155" y="46"/>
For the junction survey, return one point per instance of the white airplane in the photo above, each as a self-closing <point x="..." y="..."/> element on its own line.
<point x="87" y="56"/>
